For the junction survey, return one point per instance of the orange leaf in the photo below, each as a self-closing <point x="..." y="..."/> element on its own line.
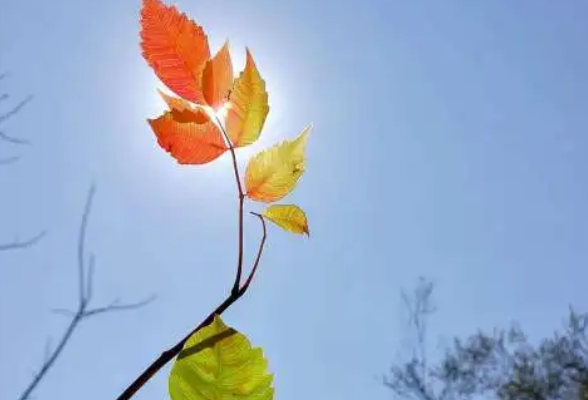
<point x="217" y="77"/>
<point x="182" y="110"/>
<point x="248" y="106"/>
<point x="175" y="47"/>
<point x="189" y="136"/>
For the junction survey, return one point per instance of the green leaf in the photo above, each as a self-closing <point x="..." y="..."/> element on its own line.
<point x="218" y="363"/>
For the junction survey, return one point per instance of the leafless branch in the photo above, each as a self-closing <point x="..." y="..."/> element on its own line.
<point x="22" y="244"/>
<point x="17" y="244"/>
<point x="13" y="140"/>
<point x="84" y="311"/>
<point x="14" y="110"/>
<point x="9" y="160"/>
<point x="411" y="378"/>
<point x="7" y="115"/>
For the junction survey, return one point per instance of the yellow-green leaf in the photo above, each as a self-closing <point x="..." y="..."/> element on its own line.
<point x="288" y="217"/>
<point x="248" y="106"/>
<point x="273" y="173"/>
<point x="218" y="363"/>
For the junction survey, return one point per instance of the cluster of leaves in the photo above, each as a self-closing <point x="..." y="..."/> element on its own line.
<point x="193" y="130"/>
<point x="501" y="364"/>
<point x="216" y="113"/>
<point x="505" y="364"/>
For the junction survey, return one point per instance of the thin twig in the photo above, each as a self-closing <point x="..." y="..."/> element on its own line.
<point x="15" y="109"/>
<point x="9" y="160"/>
<point x="169" y="354"/>
<point x="82" y="247"/>
<point x="17" y="244"/>
<point x="114" y="306"/>
<point x="13" y="140"/>
<point x="258" y="257"/>
<point x="83" y="311"/>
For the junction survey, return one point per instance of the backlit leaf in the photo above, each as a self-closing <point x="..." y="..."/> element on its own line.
<point x="182" y="110"/>
<point x="288" y="217"/>
<point x="248" y="106"/>
<point x="218" y="363"/>
<point x="217" y="78"/>
<point x="175" y="47"/>
<point x="189" y="136"/>
<point x="273" y="173"/>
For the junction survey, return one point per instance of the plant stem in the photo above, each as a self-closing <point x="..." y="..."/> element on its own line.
<point x="241" y="195"/>
<point x="168" y="355"/>
<point x="236" y="292"/>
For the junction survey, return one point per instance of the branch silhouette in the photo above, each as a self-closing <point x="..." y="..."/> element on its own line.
<point x="86" y="266"/>
<point x="26" y="243"/>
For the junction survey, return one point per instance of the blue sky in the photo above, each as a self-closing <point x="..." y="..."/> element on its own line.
<point x="449" y="141"/>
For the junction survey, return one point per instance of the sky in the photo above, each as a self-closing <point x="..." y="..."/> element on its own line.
<point x="449" y="142"/>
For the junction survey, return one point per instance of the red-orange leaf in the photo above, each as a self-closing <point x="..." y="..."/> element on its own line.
<point x="175" y="47"/>
<point x="182" y="110"/>
<point x="189" y="136"/>
<point x="217" y="78"/>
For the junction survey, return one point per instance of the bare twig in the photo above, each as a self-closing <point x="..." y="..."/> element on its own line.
<point x="10" y="113"/>
<point x="411" y="378"/>
<point x="9" y="160"/>
<point x="83" y="311"/>
<point x="13" y="140"/>
<point x="17" y="244"/>
<point x="22" y="244"/>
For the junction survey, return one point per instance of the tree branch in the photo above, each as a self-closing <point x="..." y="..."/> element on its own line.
<point x="169" y="354"/>
<point x="83" y="311"/>
<point x="10" y="113"/>
<point x="9" y="160"/>
<point x="18" y="244"/>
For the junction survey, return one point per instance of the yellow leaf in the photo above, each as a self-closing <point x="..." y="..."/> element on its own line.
<point x="248" y="106"/>
<point x="288" y="217"/>
<point x="273" y="173"/>
<point x="217" y="362"/>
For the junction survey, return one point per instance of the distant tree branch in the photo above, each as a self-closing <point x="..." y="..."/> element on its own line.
<point x="16" y="244"/>
<point x="22" y="244"/>
<point x="84" y="310"/>
<point x="9" y="160"/>
<point x="9" y="114"/>
<point x="412" y="378"/>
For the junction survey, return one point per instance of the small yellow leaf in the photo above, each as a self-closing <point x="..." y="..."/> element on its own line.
<point x="273" y="173"/>
<point x="248" y="106"/>
<point x="217" y="362"/>
<point x="288" y="217"/>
